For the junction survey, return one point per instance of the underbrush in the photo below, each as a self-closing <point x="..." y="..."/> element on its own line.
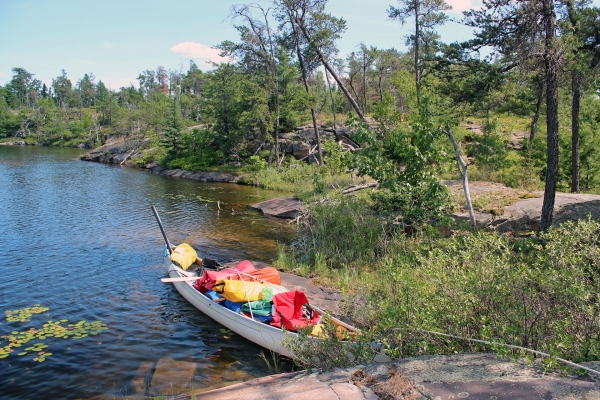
<point x="306" y="181"/>
<point x="539" y="293"/>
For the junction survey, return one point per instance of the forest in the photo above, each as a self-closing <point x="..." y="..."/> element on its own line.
<point x="530" y="72"/>
<point x="517" y="104"/>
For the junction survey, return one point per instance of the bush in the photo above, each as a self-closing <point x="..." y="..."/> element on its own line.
<point x="256" y="163"/>
<point x="344" y="233"/>
<point x="329" y="352"/>
<point x="540" y="293"/>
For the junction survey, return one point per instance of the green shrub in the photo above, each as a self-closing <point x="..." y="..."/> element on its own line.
<point x="536" y="293"/>
<point x="256" y="163"/>
<point x="540" y="293"/>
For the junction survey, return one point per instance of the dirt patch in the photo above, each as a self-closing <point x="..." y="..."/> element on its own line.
<point x="388" y="386"/>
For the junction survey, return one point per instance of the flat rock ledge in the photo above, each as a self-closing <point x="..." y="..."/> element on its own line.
<point x="115" y="151"/>
<point x="224" y="177"/>
<point x="473" y="376"/>
<point x="285" y="207"/>
<point x="526" y="214"/>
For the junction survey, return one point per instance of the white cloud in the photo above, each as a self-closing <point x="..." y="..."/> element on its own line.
<point x="108" y="45"/>
<point x="2" y="74"/>
<point x="198" y="51"/>
<point x="463" y="5"/>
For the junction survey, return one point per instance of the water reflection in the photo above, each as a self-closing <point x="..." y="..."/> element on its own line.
<point x="80" y="238"/>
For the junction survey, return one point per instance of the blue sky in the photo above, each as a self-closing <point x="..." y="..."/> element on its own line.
<point x="117" y="39"/>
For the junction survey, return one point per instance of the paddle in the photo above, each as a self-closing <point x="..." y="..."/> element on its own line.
<point x="182" y="279"/>
<point x="160" y="225"/>
<point x="335" y="320"/>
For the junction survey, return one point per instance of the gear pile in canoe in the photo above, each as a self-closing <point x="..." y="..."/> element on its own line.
<point x="253" y="293"/>
<point x="251" y="302"/>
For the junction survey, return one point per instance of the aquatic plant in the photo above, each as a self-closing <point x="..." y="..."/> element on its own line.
<point x="56" y="329"/>
<point x="24" y="314"/>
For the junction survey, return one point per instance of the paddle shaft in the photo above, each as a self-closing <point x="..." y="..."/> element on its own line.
<point x="336" y="321"/>
<point x="160" y="225"/>
<point x="182" y="279"/>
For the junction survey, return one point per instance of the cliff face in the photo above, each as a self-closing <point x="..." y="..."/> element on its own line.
<point x="116" y="151"/>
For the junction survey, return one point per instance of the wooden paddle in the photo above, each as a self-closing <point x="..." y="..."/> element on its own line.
<point x="333" y="319"/>
<point x="182" y="279"/>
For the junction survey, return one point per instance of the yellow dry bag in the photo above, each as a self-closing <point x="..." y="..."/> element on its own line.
<point x="237" y="291"/>
<point x="184" y="255"/>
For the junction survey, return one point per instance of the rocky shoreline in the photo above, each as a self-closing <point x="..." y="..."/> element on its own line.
<point x="475" y="376"/>
<point x="520" y="215"/>
<point x="121" y="152"/>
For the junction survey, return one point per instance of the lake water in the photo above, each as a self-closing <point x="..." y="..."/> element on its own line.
<point x="80" y="239"/>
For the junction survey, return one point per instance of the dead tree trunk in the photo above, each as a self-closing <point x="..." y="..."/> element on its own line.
<point x="305" y="81"/>
<point x="462" y="170"/>
<point x="576" y="86"/>
<point x="332" y="100"/>
<point x="323" y="60"/>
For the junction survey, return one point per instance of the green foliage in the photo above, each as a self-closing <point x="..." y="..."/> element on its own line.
<point x="334" y="157"/>
<point x="172" y="138"/>
<point x="329" y="352"/>
<point x="490" y="148"/>
<point x="9" y="123"/>
<point x="539" y="293"/>
<point x="256" y="163"/>
<point x="404" y="160"/>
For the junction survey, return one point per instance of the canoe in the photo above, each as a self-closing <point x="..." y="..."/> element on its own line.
<point x="264" y="335"/>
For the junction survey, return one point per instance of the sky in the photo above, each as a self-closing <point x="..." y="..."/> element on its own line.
<point x="117" y="39"/>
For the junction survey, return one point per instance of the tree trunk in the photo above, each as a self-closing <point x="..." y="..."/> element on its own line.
<point x="417" y="66"/>
<point x="277" y="139"/>
<point x="332" y="100"/>
<point x="576" y="86"/>
<point x="332" y="72"/>
<point x="364" y="81"/>
<point x="312" y="109"/>
<point x="550" y="59"/>
<point x="462" y="170"/>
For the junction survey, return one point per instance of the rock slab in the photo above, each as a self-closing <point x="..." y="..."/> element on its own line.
<point x="171" y="377"/>
<point x="526" y="214"/>
<point x="208" y="176"/>
<point x="285" y="207"/>
<point x="473" y="376"/>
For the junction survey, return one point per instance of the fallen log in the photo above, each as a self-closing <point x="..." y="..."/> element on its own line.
<point x="360" y="187"/>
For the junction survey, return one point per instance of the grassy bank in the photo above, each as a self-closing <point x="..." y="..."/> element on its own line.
<point x="540" y="293"/>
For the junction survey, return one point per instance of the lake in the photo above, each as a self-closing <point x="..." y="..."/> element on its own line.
<point x="80" y="239"/>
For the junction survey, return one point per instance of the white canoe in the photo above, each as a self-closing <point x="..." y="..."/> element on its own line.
<point x="264" y="335"/>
